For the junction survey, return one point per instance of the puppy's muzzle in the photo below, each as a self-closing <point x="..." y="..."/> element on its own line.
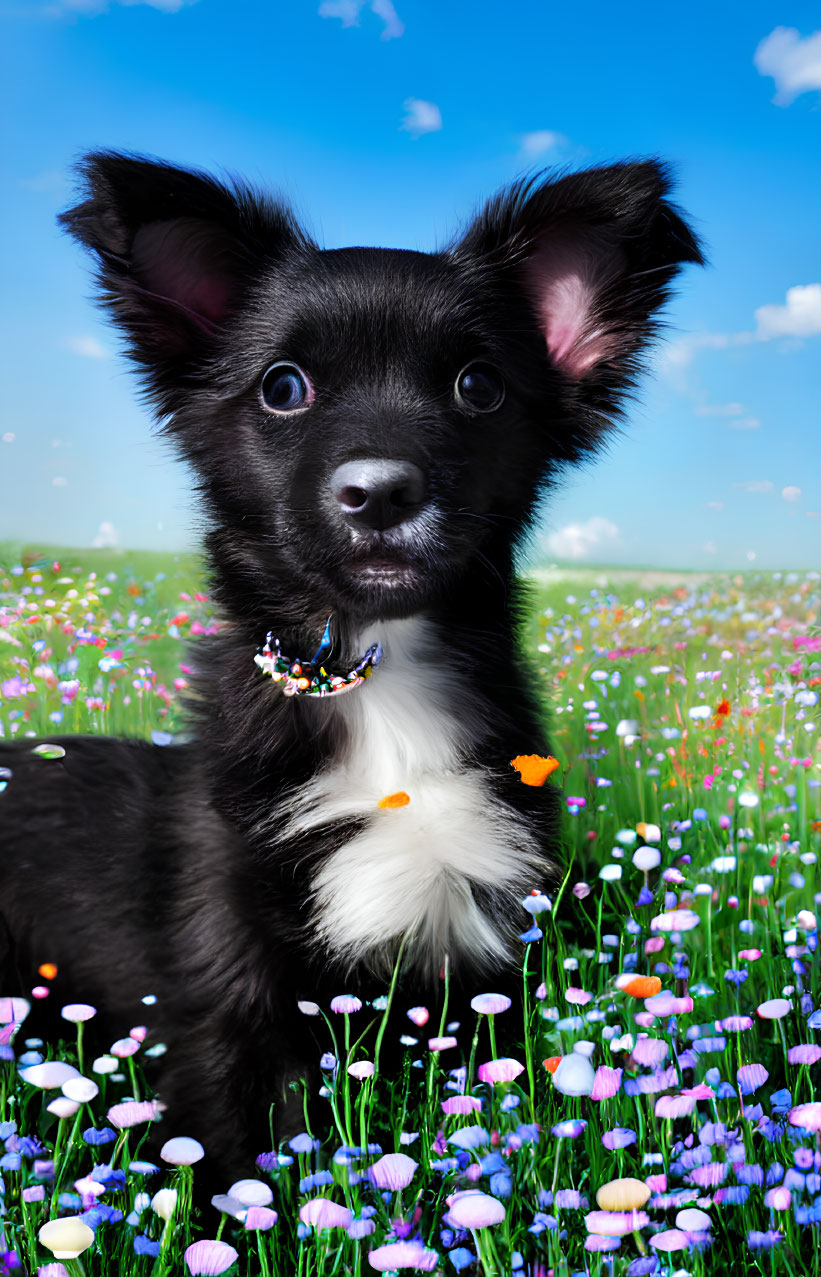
<point x="378" y="494"/>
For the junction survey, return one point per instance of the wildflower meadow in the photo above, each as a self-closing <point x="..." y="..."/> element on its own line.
<point x="661" y="1114"/>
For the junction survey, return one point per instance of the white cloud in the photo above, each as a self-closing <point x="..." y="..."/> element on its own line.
<point x="348" y="12"/>
<point x="756" y="485"/>
<point x="541" y="141"/>
<point x="711" y="547"/>
<point x="90" y="8"/>
<point x="107" y="536"/>
<point x="791" y="493"/>
<point x="793" y="63"/>
<point x="744" y="423"/>
<point x="800" y="316"/>
<point x="8" y="437"/>
<point x="86" y="347"/>
<point x="422" y="117"/>
<point x="714" y="505"/>
<point x="59" y="482"/>
<point x="751" y="555"/>
<point x="720" y="410"/>
<point x="579" y="540"/>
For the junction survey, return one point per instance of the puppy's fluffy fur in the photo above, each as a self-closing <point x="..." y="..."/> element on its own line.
<point x="251" y="867"/>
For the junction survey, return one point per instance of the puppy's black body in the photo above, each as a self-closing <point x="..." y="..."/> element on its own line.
<point x="382" y="470"/>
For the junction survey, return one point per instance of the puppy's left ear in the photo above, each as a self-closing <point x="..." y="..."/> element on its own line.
<point x="594" y="254"/>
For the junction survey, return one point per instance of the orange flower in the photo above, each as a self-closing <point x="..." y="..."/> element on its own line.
<point x="48" y="971"/>
<point x="553" y="1063"/>
<point x="723" y="707"/>
<point x="401" y="799"/>
<point x="533" y="769"/>
<point x="643" y="986"/>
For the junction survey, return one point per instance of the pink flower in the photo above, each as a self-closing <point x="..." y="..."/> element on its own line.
<point x="578" y="996"/>
<point x="504" y="1070"/>
<point x="403" y="1255"/>
<point x="779" y="1198"/>
<point x="674" y="1105"/>
<point x="321" y="1212"/>
<point x="361" y="1069"/>
<point x="131" y="1113"/>
<point x="806" y="1115"/>
<point x="490" y="1003"/>
<point x="260" y="1218"/>
<point x="393" y="1171"/>
<point x="671" y="1239"/>
<point x="606" y="1084"/>
<point x="804" y="1053"/>
<point x="472" y="1209"/>
<point x="441" y="1044"/>
<point x="650" y="1052"/>
<point x="461" y="1104"/>
<point x="615" y="1223"/>
<point x="209" y="1258"/>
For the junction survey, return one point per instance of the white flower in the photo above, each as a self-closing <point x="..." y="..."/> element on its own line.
<point x="164" y="1203"/>
<point x="80" y="1089"/>
<point x="647" y="858"/>
<point x="77" y="1012"/>
<point x="66" y="1238"/>
<point x="251" y="1192"/>
<point x="575" y="1075"/>
<point x="182" y="1150"/>
<point x="50" y="1075"/>
<point x="63" y="1107"/>
<point x="105" y="1064"/>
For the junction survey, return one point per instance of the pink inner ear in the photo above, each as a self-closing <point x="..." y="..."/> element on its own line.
<point x="189" y="262"/>
<point x="567" y="276"/>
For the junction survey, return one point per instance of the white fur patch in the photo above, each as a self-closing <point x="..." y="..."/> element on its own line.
<point x="412" y="727"/>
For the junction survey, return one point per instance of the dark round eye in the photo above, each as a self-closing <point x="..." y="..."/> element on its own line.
<point x="285" y="388"/>
<point x="480" y="388"/>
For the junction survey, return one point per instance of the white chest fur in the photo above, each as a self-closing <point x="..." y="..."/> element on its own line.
<point x="409" y="872"/>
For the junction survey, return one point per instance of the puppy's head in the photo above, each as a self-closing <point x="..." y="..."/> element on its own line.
<point x="371" y="422"/>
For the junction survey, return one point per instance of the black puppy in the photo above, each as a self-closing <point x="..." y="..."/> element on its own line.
<point x="370" y="430"/>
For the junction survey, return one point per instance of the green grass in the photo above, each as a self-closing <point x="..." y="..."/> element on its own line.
<point x="735" y="796"/>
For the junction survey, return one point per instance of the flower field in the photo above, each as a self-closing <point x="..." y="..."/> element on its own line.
<point x="662" y="1113"/>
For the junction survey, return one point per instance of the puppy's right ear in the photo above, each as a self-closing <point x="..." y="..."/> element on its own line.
<point x="177" y="254"/>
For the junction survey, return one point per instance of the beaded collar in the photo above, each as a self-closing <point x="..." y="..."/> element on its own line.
<point x="310" y="678"/>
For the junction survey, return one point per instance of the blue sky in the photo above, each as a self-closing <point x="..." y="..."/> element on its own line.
<point x="386" y="122"/>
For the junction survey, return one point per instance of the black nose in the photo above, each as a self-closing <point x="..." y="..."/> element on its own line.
<point x="378" y="494"/>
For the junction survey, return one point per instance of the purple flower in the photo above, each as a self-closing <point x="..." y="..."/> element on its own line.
<point x="570" y="1129"/>
<point x="490" y="1003"/>
<point x="736" y="1023"/>
<point x="736" y="977"/>
<point x="804" y="1053"/>
<point x="403" y="1255"/>
<point x="763" y="1241"/>
<point x="472" y="1209"/>
<point x="345" y="1004"/>
<point x="209" y="1257"/>
<point x="750" y="1077"/>
<point x="395" y="1170"/>
<point x="619" y="1137"/>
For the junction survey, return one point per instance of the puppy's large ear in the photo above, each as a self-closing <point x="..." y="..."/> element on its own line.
<point x="177" y="252"/>
<point x="594" y="254"/>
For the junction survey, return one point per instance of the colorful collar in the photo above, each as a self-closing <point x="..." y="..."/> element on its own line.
<point x="298" y="677"/>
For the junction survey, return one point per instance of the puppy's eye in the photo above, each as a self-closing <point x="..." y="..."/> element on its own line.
<point x="285" y="388"/>
<point x="480" y="388"/>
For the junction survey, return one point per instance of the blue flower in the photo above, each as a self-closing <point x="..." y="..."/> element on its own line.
<point x="501" y="1184"/>
<point x="645" y="897"/>
<point x="736" y="977"/>
<point x="144" y="1246"/>
<point x="534" y="933"/>
<point x="104" y="1136"/>
<point x="461" y="1258"/>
